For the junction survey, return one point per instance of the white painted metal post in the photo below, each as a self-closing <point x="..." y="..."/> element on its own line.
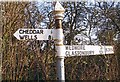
<point x="60" y="48"/>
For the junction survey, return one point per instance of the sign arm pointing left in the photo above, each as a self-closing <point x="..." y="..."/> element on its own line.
<point x="34" y="34"/>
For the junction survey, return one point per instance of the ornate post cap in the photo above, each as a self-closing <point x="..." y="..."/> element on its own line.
<point x="59" y="11"/>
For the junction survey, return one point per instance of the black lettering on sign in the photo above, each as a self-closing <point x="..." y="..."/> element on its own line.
<point x="35" y="37"/>
<point x="21" y="31"/>
<point x="79" y="47"/>
<point x="79" y="53"/>
<point x="67" y="53"/>
<point x="75" y="47"/>
<point x="109" y="49"/>
<point x="21" y="37"/>
<point x="31" y="31"/>
<point x="101" y="51"/>
<point x="28" y="37"/>
<point x="73" y="53"/>
<point x="66" y="47"/>
<point x="41" y="31"/>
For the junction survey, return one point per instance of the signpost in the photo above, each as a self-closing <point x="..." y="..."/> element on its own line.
<point x="57" y="35"/>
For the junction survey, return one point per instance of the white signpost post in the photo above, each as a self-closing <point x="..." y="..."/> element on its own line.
<point x="62" y="50"/>
<point x="58" y="15"/>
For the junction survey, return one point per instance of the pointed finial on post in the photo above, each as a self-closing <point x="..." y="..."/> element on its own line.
<point x="59" y="11"/>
